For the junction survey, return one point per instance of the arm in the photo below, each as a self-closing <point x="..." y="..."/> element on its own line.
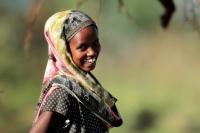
<point x="48" y="121"/>
<point x="53" y="112"/>
<point x="119" y="121"/>
<point x="43" y="123"/>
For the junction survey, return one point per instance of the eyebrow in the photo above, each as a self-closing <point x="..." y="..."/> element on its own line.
<point x="81" y="44"/>
<point x="87" y="42"/>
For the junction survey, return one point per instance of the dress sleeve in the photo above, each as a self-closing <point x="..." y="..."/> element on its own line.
<point x="57" y="101"/>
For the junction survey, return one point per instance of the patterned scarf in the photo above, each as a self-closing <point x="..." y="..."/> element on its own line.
<point x="60" y="63"/>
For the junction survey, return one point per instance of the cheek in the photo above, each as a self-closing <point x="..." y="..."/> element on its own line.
<point x="74" y="54"/>
<point x="78" y="58"/>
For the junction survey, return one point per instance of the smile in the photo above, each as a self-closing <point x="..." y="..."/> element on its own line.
<point x="93" y="60"/>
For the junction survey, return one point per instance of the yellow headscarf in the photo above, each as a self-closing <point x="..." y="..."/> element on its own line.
<point x="61" y="63"/>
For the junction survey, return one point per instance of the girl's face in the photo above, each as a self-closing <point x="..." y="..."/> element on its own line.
<point x="85" y="48"/>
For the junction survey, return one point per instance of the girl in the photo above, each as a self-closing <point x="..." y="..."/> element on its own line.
<point x="72" y="100"/>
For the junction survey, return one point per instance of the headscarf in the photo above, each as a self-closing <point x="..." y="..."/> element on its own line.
<point x="60" y="62"/>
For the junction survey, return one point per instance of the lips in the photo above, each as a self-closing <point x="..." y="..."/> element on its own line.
<point x="90" y="60"/>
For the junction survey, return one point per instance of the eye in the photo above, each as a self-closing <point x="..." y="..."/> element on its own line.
<point x="82" y="47"/>
<point x="96" y="45"/>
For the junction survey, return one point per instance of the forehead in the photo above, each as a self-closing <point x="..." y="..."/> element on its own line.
<point x="86" y="35"/>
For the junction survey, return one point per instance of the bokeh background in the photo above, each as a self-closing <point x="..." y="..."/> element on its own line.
<point x="154" y="72"/>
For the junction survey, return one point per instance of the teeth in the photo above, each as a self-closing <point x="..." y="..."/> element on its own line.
<point x="91" y="60"/>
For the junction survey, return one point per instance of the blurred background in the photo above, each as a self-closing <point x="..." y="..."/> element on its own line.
<point x="153" y="71"/>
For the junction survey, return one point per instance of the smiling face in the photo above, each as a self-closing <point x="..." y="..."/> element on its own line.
<point x="85" y="48"/>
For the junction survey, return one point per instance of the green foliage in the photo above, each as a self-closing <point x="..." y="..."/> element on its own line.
<point x="154" y="74"/>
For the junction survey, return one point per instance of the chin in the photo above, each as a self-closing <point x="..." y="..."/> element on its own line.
<point x="88" y="69"/>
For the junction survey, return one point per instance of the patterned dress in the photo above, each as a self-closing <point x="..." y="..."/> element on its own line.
<point x="78" y="119"/>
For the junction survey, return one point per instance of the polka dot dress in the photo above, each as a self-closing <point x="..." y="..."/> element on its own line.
<point x="78" y="119"/>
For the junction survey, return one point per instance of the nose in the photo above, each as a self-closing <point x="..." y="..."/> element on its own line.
<point x="91" y="52"/>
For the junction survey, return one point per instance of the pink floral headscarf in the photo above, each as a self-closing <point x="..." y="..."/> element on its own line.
<point x="61" y="63"/>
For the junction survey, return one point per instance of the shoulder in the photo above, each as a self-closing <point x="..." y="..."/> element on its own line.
<point x="63" y="80"/>
<point x="59" y="100"/>
<point x="62" y="88"/>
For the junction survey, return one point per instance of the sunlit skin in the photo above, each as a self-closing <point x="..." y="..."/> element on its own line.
<point x="85" y="48"/>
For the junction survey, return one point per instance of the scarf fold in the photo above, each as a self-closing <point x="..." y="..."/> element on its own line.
<point x="60" y="63"/>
